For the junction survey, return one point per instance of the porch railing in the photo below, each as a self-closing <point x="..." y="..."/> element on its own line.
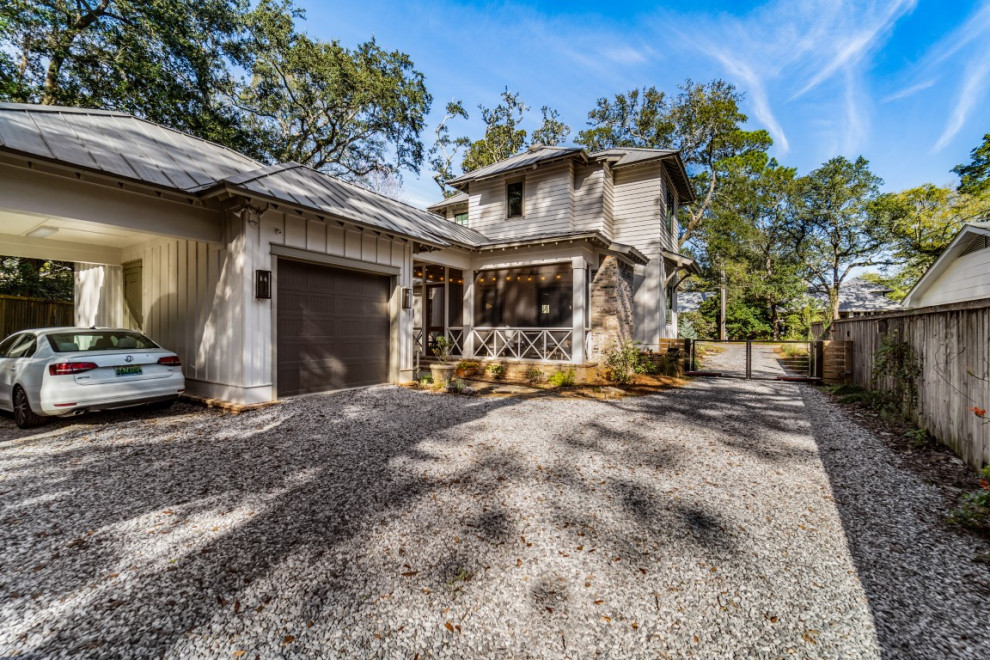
<point x="455" y="335"/>
<point x="552" y="344"/>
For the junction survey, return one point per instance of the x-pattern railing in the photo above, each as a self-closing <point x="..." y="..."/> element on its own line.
<point x="524" y="343"/>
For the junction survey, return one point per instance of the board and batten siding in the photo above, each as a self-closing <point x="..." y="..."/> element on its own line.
<point x="953" y="345"/>
<point x="966" y="278"/>
<point x="639" y="208"/>
<point x="547" y="204"/>
<point x="198" y="299"/>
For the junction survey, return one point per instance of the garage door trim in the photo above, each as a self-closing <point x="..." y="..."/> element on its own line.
<point x="329" y="260"/>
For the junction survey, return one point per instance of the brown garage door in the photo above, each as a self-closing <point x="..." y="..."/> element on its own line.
<point x="333" y="328"/>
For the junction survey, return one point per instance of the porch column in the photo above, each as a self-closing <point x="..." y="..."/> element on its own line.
<point x="578" y="321"/>
<point x="467" y="315"/>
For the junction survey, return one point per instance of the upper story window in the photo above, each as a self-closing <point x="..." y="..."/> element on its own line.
<point x="514" y="199"/>
<point x="461" y="218"/>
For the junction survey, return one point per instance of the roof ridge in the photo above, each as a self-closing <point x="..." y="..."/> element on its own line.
<point x="78" y="110"/>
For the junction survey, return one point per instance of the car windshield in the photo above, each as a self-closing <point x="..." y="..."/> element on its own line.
<point x="99" y="340"/>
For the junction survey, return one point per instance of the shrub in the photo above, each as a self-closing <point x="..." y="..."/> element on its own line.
<point x="534" y="375"/>
<point x="621" y="360"/>
<point x="896" y="368"/>
<point x="468" y="365"/>
<point x="496" y="370"/>
<point x="974" y="510"/>
<point x="562" y="378"/>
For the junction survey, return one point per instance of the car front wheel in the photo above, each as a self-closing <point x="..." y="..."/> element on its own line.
<point x="24" y="417"/>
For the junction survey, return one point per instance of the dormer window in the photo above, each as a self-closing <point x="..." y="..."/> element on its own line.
<point x="514" y="199"/>
<point x="461" y="218"/>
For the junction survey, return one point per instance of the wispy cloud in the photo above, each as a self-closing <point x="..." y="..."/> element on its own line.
<point x="909" y="91"/>
<point x="970" y="46"/>
<point x="783" y="50"/>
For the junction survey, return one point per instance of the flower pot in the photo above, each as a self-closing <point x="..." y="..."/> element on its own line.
<point x="441" y="374"/>
<point x="465" y="373"/>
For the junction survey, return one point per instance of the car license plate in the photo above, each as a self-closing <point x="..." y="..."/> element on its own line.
<point x="129" y="370"/>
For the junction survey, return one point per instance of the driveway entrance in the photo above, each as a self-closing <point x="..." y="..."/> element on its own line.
<point x="754" y="360"/>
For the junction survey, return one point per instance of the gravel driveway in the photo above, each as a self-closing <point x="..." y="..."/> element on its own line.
<point x="712" y="521"/>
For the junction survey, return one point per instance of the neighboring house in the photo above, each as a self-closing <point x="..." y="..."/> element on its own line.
<point x="861" y="298"/>
<point x="572" y="253"/>
<point x="272" y="280"/>
<point x="690" y="301"/>
<point x="961" y="273"/>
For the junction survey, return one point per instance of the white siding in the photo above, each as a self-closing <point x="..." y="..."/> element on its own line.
<point x="546" y="205"/>
<point x="639" y="208"/>
<point x="966" y="278"/>
<point x="608" y="201"/>
<point x="199" y="301"/>
<point x="589" y="199"/>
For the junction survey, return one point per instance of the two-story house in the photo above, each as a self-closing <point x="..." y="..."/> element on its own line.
<point x="270" y="280"/>
<point x="570" y="252"/>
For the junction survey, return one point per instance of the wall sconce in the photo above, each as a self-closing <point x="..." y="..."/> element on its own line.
<point x="263" y="284"/>
<point x="407" y="298"/>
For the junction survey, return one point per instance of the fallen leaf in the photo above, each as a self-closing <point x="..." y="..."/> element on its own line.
<point x="449" y="626"/>
<point x="237" y="606"/>
<point x="696" y="640"/>
<point x="238" y="654"/>
<point x="635" y="626"/>
<point x="309" y="624"/>
<point x="599" y="602"/>
<point x="288" y="639"/>
<point x="410" y="573"/>
<point x="518" y="563"/>
<point x="607" y="619"/>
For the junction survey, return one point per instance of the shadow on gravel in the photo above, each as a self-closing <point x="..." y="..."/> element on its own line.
<point x="263" y="452"/>
<point x="927" y="596"/>
<point x="310" y="489"/>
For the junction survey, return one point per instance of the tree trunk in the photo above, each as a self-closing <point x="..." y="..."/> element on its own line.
<point x="775" y="321"/>
<point x="833" y="299"/>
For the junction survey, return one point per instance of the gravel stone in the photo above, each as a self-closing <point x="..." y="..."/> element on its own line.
<point x="726" y="519"/>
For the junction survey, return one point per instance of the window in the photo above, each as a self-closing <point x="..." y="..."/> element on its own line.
<point x="514" y="199"/>
<point x="68" y="342"/>
<point x="528" y="297"/>
<point x="461" y="218"/>
<point x="23" y="347"/>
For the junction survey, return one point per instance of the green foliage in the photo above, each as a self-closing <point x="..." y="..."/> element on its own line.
<point x="703" y="121"/>
<point x="442" y="346"/>
<point x="456" y="385"/>
<point x="36" y="278"/>
<point x="504" y="136"/>
<point x="468" y="365"/>
<point x="686" y="326"/>
<point x="974" y="178"/>
<point x="920" y="223"/>
<point x="170" y="61"/>
<point x="918" y="437"/>
<point x="223" y="70"/>
<point x="621" y="361"/>
<point x="974" y="509"/>
<point x="534" y="375"/>
<point x="495" y="370"/>
<point x="564" y="378"/>
<point x="836" y="229"/>
<point x="348" y="113"/>
<point x="894" y="379"/>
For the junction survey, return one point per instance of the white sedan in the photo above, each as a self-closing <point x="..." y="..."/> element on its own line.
<point x="69" y="371"/>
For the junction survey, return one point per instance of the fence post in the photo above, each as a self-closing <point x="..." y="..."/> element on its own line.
<point x="749" y="360"/>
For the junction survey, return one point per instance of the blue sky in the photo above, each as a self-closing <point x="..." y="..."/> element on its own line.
<point x="905" y="83"/>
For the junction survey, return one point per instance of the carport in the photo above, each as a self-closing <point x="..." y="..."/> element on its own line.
<point x="265" y="279"/>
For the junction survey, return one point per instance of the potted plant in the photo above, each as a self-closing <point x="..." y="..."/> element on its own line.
<point x="467" y="368"/>
<point x="442" y="370"/>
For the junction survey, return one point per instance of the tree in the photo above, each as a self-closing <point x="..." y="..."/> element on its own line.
<point x="703" y="122"/>
<point x="165" y="60"/>
<point x="921" y="222"/>
<point x="974" y="178"/>
<point x="445" y="148"/>
<point x="747" y="237"/>
<point x="36" y="278"/>
<point x="347" y="113"/>
<point x="836" y="229"/>
<point x="504" y="136"/>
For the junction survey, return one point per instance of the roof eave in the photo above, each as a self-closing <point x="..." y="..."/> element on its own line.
<point x="941" y="263"/>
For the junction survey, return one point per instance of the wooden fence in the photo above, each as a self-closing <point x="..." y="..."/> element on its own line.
<point x="18" y="313"/>
<point x="953" y="344"/>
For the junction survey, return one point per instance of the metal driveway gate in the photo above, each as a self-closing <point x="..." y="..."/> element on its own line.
<point x="756" y="360"/>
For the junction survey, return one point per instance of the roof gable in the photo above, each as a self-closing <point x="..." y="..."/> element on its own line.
<point x="956" y="249"/>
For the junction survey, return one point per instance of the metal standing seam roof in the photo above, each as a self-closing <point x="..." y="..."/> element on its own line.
<point x="528" y="158"/>
<point x="460" y="197"/>
<point x="118" y="144"/>
<point x="302" y="186"/>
